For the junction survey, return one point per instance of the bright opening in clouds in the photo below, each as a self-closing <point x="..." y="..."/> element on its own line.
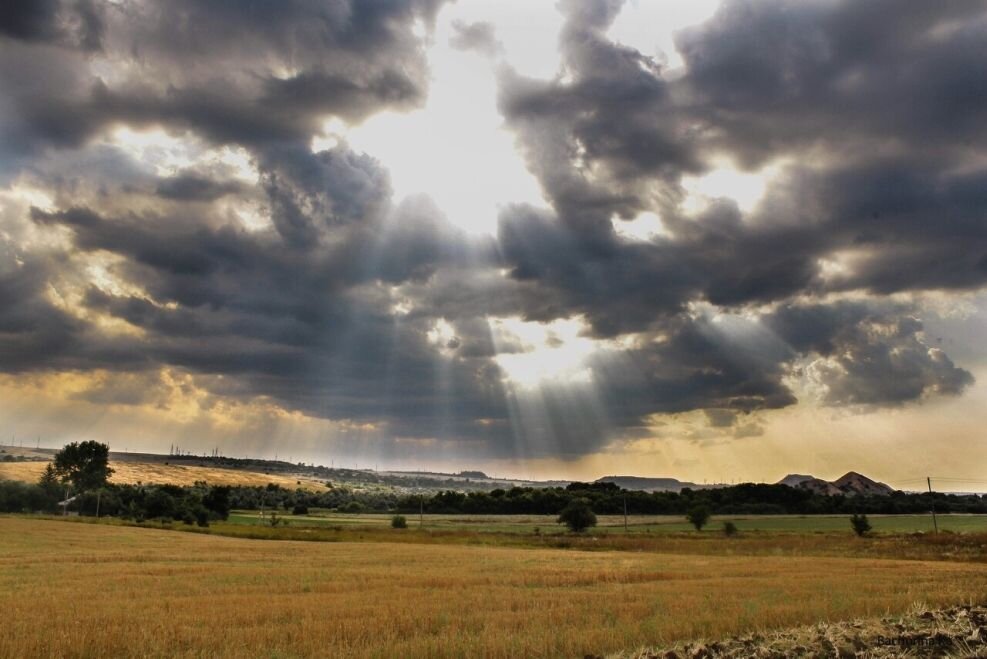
<point x="714" y="240"/>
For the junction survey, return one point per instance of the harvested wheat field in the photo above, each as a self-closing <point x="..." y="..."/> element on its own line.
<point x="81" y="590"/>
<point x="161" y="473"/>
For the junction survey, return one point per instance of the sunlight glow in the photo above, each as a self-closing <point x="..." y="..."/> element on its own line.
<point x="643" y="228"/>
<point x="542" y="352"/>
<point x="164" y="153"/>
<point x="454" y="149"/>
<point x="443" y="337"/>
<point x="167" y="154"/>
<point x="745" y="188"/>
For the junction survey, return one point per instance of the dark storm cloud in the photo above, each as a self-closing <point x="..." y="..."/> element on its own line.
<point x="895" y="173"/>
<point x="479" y="36"/>
<point x="74" y="23"/>
<point x="195" y="187"/>
<point x="306" y="325"/>
<point x="873" y="113"/>
<point x="890" y="100"/>
<point x="310" y="192"/>
<point x="778" y="75"/>
<point x="34" y="332"/>
<point x="873" y="354"/>
<point x="247" y="73"/>
<point x="28" y="19"/>
<point x="612" y="110"/>
<point x="692" y="364"/>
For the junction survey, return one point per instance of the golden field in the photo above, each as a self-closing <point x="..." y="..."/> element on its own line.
<point x="159" y="473"/>
<point x="84" y="590"/>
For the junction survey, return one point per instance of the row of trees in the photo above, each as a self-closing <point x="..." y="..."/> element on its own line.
<point x="602" y="499"/>
<point x="745" y="499"/>
<point x="197" y="504"/>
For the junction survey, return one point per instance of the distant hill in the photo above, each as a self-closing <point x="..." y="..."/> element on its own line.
<point x="853" y="483"/>
<point x="793" y="480"/>
<point x="652" y="484"/>
<point x="819" y="486"/>
<point x="850" y="484"/>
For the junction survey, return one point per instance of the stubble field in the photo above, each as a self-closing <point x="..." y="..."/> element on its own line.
<point x="130" y="473"/>
<point x="83" y="590"/>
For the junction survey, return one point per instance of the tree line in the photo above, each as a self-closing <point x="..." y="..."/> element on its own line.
<point x="142" y="502"/>
<point x="79" y="476"/>
<point x="743" y="499"/>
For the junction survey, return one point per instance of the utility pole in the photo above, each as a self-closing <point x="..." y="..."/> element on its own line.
<point x="99" y="493"/>
<point x="625" y="513"/>
<point x="421" y="511"/>
<point x="935" y="524"/>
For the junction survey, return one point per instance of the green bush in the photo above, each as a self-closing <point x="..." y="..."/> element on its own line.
<point x="399" y="522"/>
<point x="698" y="516"/>
<point x="729" y="529"/>
<point x="577" y="515"/>
<point x="861" y="525"/>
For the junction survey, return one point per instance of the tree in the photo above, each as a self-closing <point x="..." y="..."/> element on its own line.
<point x="49" y="481"/>
<point x="577" y="515"/>
<point x="217" y="501"/>
<point x="861" y="526"/>
<point x="399" y="522"/>
<point x="698" y="516"/>
<point x="84" y="464"/>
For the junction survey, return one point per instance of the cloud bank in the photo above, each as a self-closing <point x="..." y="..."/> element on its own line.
<point x="228" y="250"/>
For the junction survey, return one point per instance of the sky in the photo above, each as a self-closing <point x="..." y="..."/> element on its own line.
<point x="717" y="241"/>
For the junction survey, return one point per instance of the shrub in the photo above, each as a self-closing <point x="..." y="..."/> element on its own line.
<point x="861" y="526"/>
<point x="698" y="516"/>
<point x="399" y="522"/>
<point x="729" y="529"/>
<point x="577" y="515"/>
<point x="299" y="509"/>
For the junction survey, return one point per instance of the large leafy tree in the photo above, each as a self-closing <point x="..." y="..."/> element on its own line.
<point x="84" y="464"/>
